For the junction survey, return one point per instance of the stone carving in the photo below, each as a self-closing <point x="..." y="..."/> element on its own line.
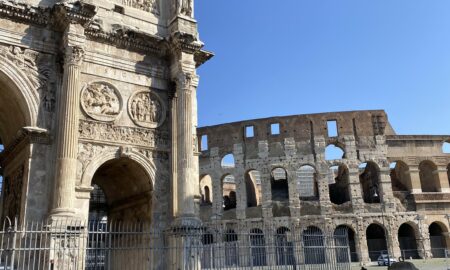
<point x="74" y="55"/>
<point x="185" y="7"/>
<point x="146" y="5"/>
<point x="98" y="131"/>
<point x="146" y="109"/>
<point x="101" y="101"/>
<point x="12" y="189"/>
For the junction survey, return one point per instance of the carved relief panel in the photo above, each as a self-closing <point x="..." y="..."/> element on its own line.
<point x="146" y="109"/>
<point x="12" y="190"/>
<point x="101" y="101"/>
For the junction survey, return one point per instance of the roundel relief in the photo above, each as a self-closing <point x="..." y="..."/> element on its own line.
<point x="146" y="109"/>
<point x="101" y="101"/>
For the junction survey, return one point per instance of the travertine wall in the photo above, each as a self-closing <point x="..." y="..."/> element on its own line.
<point x="373" y="153"/>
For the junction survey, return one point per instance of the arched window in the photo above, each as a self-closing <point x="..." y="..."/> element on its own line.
<point x="284" y="247"/>
<point x="208" y="251"/>
<point x="252" y="178"/>
<point x="429" y="178"/>
<point x="376" y="241"/>
<point x="339" y="185"/>
<point x="231" y="248"/>
<point x="280" y="187"/>
<point x="228" y="161"/>
<point x="229" y="192"/>
<point x="370" y="181"/>
<point x="206" y="189"/>
<point x="258" y="249"/>
<point x="98" y="206"/>
<point x="314" y="246"/>
<point x="446" y="148"/>
<point x="400" y="177"/>
<point x="333" y="152"/>
<point x="408" y="241"/>
<point x="308" y="187"/>
<point x="345" y="236"/>
<point x="438" y="240"/>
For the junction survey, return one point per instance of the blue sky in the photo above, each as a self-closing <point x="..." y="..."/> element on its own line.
<point x="296" y="56"/>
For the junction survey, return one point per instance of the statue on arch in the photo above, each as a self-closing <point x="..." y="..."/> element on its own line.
<point x="185" y="7"/>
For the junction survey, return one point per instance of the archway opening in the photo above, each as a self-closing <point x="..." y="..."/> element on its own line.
<point x="307" y="184"/>
<point x="342" y="255"/>
<point x="229" y="192"/>
<point x="208" y="258"/>
<point x="284" y="247"/>
<point x="446" y="148"/>
<point x="408" y="242"/>
<point x="339" y="185"/>
<point x="370" y="182"/>
<point x="231" y="248"/>
<point x="333" y="152"/>
<point x="429" y="178"/>
<point x="251" y="188"/>
<point x="228" y="161"/>
<point x="258" y="247"/>
<point x="314" y="246"/>
<point x="400" y="177"/>
<point x="206" y="190"/>
<point x="279" y="184"/>
<point x="438" y="239"/>
<point x="126" y="188"/>
<point x="376" y="241"/>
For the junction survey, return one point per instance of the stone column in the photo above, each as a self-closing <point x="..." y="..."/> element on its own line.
<point x="415" y="185"/>
<point x="387" y="196"/>
<point x="294" y="196"/>
<point x="443" y="180"/>
<point x="324" y="193"/>
<point x="266" y="194"/>
<point x="355" y="191"/>
<point x="67" y="138"/>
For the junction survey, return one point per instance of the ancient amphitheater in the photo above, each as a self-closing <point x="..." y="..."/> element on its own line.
<point x="327" y="171"/>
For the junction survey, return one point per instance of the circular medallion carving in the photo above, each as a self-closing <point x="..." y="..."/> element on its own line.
<point x="146" y="109"/>
<point x="101" y="101"/>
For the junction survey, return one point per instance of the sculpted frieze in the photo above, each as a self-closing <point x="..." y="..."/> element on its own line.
<point x="145" y="5"/>
<point x="101" y="101"/>
<point x="12" y="188"/>
<point x="107" y="132"/>
<point x="146" y="109"/>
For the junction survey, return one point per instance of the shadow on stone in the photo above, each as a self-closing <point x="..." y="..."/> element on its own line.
<point x="403" y="266"/>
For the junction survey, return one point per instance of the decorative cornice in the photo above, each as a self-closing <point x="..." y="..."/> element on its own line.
<point x="202" y="56"/>
<point x="25" y="136"/>
<point x="185" y="42"/>
<point x="25" y="13"/>
<point x="73" y="12"/>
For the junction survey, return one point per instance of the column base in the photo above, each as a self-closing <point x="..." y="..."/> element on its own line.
<point x="62" y="213"/>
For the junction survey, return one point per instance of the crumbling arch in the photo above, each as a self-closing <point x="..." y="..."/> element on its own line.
<point x="251" y="188"/>
<point x="228" y="161"/>
<point x="334" y="152"/>
<point x="228" y="184"/>
<point x="370" y="182"/>
<point x="307" y="184"/>
<point x="284" y="247"/>
<point x="258" y="249"/>
<point x="438" y="239"/>
<point x="429" y="178"/>
<point x="400" y="176"/>
<point x="408" y="239"/>
<point x="339" y="184"/>
<point x="206" y="189"/>
<point x="279" y="185"/>
<point x="376" y="241"/>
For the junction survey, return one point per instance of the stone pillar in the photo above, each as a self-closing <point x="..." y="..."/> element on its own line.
<point x="443" y="180"/>
<point x="387" y="196"/>
<point x="266" y="194"/>
<point x="324" y="193"/>
<point x="294" y="196"/>
<point x="415" y="185"/>
<point x="67" y="138"/>
<point x="355" y="191"/>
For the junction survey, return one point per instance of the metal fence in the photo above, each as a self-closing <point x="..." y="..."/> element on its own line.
<point x="73" y="245"/>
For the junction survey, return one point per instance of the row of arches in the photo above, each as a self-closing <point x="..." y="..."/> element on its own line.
<point x="313" y="244"/>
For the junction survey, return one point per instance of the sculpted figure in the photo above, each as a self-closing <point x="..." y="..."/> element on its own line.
<point x="185" y="7"/>
<point x="145" y="109"/>
<point x="101" y="102"/>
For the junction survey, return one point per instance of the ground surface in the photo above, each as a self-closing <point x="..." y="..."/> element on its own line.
<point x="435" y="264"/>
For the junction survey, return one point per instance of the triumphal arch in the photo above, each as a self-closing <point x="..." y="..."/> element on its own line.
<point x="99" y="96"/>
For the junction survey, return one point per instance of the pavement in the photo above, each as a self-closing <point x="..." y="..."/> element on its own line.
<point x="431" y="264"/>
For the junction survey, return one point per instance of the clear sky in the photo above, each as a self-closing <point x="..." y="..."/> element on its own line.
<point x="306" y="56"/>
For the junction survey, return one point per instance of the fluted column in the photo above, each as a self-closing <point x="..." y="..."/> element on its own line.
<point x="67" y="138"/>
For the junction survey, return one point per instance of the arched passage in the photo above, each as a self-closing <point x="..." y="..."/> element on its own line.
<point x="284" y="247"/>
<point x="127" y="188"/>
<point x="314" y="245"/>
<point x="400" y="178"/>
<point x="251" y="188"/>
<point x="229" y="192"/>
<point x="339" y="185"/>
<point x="376" y="241"/>
<point x="342" y="255"/>
<point x="308" y="187"/>
<point x="231" y="248"/>
<point x="370" y="182"/>
<point x="280" y="192"/>
<point x="206" y="190"/>
<point x="438" y="239"/>
<point x="258" y="249"/>
<point x="429" y="178"/>
<point x="333" y="152"/>
<point x="408" y="241"/>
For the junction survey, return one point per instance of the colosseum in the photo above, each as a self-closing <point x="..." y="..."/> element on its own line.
<point x="327" y="171"/>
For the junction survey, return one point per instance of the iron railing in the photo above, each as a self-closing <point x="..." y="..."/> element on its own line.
<point x="74" y="245"/>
